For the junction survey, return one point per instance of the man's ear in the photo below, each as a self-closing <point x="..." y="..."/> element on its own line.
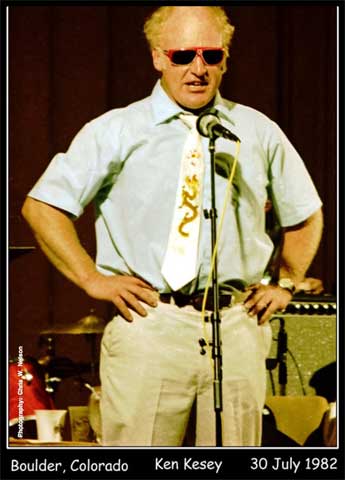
<point x="224" y="67"/>
<point x="158" y="60"/>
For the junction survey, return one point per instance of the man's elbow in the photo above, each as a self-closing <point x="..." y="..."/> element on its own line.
<point x="314" y="221"/>
<point x="316" y="218"/>
<point x="314" y="224"/>
<point x="32" y="211"/>
<point x="27" y="209"/>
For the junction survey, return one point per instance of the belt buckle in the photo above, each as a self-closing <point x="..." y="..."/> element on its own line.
<point x="196" y="301"/>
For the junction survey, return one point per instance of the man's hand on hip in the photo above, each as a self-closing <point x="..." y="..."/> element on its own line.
<point x="124" y="291"/>
<point x="265" y="300"/>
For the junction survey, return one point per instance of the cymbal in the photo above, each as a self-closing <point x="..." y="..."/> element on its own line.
<point x="87" y="325"/>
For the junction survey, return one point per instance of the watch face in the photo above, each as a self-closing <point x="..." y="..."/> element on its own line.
<point x="286" y="283"/>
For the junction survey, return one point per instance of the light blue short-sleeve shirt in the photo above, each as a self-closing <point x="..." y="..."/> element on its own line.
<point x="127" y="163"/>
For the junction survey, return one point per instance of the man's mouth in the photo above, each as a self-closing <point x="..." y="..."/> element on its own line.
<point x="197" y="84"/>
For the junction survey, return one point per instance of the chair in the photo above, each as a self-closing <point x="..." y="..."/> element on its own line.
<point x="297" y="416"/>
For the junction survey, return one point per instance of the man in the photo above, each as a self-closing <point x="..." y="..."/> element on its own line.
<point x="128" y="162"/>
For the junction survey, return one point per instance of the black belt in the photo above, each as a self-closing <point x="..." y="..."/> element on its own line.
<point x="196" y="299"/>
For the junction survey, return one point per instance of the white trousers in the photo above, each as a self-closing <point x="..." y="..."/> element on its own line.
<point x="152" y="371"/>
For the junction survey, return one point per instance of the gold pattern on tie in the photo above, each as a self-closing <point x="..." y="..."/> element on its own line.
<point x="180" y="261"/>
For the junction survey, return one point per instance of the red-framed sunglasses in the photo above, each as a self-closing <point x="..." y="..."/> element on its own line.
<point x="185" y="56"/>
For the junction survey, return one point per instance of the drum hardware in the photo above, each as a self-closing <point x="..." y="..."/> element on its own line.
<point x="91" y="324"/>
<point x="27" y="376"/>
<point x="48" y="342"/>
<point x="50" y="383"/>
<point x="60" y="368"/>
<point x="91" y="338"/>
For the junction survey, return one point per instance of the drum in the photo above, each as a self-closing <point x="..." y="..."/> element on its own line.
<point x="27" y="393"/>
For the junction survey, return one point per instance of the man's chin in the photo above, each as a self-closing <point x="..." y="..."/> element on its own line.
<point x="197" y="104"/>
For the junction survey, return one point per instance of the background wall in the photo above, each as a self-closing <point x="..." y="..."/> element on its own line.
<point x="68" y="64"/>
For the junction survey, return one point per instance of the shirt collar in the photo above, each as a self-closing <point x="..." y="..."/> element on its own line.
<point x="223" y="108"/>
<point x="164" y="108"/>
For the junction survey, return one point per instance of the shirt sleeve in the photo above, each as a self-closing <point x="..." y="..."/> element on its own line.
<point x="293" y="192"/>
<point x="73" y="179"/>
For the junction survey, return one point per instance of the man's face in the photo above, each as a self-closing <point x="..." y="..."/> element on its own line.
<point x="192" y="86"/>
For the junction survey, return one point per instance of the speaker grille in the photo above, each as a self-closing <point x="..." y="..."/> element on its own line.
<point x="311" y="339"/>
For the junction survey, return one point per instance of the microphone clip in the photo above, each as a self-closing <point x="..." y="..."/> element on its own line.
<point x="202" y="343"/>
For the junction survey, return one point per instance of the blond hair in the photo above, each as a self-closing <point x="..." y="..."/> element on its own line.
<point x="154" y="25"/>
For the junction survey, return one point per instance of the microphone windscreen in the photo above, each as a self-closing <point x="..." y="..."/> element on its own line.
<point x="206" y="119"/>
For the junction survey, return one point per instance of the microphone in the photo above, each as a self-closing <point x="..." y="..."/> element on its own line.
<point x="208" y="125"/>
<point x="282" y="341"/>
<point x="281" y="357"/>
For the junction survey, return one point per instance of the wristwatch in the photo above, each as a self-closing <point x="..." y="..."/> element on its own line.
<point x="287" y="284"/>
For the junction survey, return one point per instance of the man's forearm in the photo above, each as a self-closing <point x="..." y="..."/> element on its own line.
<point x="57" y="237"/>
<point x="299" y="248"/>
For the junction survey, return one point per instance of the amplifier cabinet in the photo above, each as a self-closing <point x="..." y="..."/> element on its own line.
<point x="312" y="341"/>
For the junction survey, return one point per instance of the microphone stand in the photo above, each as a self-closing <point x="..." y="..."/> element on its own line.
<point x="215" y="317"/>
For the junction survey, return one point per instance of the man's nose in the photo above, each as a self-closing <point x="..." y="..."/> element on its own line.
<point x="198" y="65"/>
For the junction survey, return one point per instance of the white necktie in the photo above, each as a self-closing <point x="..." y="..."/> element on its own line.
<point x="180" y="261"/>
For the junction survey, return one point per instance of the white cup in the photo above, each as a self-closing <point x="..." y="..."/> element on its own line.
<point x="50" y="424"/>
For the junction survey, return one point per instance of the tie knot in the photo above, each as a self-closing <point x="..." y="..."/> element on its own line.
<point x="189" y="119"/>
